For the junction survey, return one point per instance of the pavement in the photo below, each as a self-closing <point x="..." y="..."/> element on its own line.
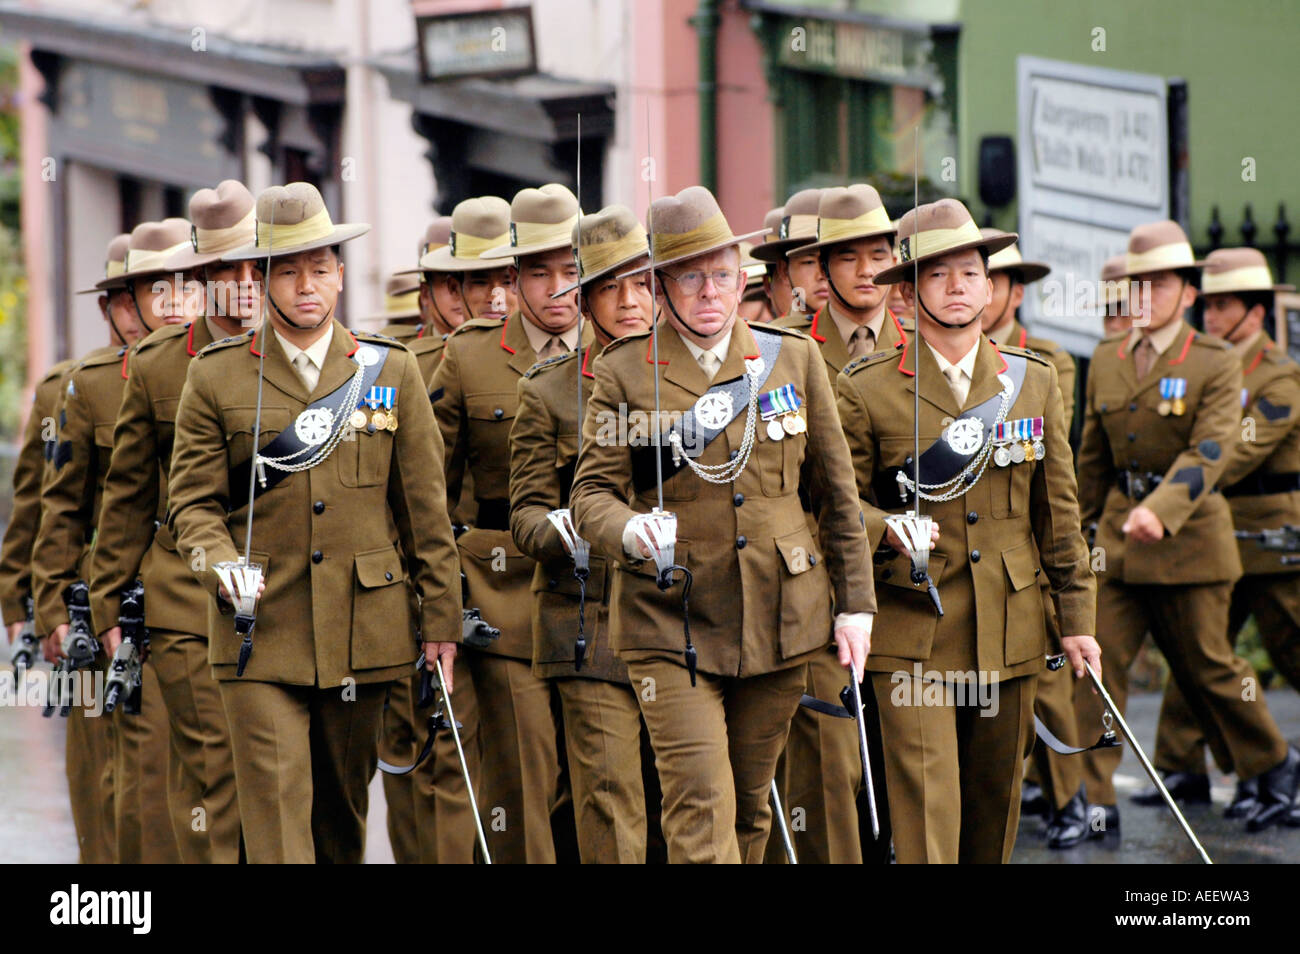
<point x="36" y="827"/>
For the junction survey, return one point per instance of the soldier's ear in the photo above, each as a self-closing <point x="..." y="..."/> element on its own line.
<point x="340" y="276"/>
<point x="1017" y="295"/>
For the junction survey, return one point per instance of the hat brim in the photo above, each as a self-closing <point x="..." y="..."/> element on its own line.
<point x="1027" y="272"/>
<point x="839" y="240"/>
<point x="1151" y="270"/>
<point x="441" y="260"/>
<point x="512" y="251"/>
<point x="594" y="276"/>
<point x="899" y="272"/>
<point x="696" y="253"/>
<point x="772" y="252"/>
<point x="337" y="236"/>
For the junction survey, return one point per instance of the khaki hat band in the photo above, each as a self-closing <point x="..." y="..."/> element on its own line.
<point x="937" y="241"/>
<point x="427" y="247"/>
<point x="524" y="234"/>
<point x="473" y="246"/>
<point x="602" y="256"/>
<point x="1176" y="255"/>
<point x="712" y="232"/>
<point x="113" y="268"/>
<point x="211" y="241"/>
<point x="797" y="226"/>
<point x="142" y="260"/>
<point x="1250" y="278"/>
<point x="1009" y="257"/>
<point x="406" y="301"/>
<point x="271" y="236"/>
<point x="877" y="220"/>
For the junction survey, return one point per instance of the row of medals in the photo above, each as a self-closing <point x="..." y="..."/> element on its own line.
<point x="1017" y="452"/>
<point x="380" y="420"/>
<point x="791" y="423"/>
<point x="1176" y="407"/>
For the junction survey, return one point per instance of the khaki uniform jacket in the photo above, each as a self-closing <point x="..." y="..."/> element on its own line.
<point x="1122" y="431"/>
<point x="25" y="518"/>
<point x="336" y="542"/>
<point x="74" y="484"/>
<point x="1053" y="352"/>
<point x="402" y="331"/>
<point x="761" y="598"/>
<point x="135" y="491"/>
<point x="543" y="457"/>
<point x="985" y="564"/>
<point x="833" y="348"/>
<point x="475" y="396"/>
<point x="1268" y="445"/>
<point x="427" y="349"/>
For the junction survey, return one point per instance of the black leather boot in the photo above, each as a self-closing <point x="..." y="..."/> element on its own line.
<point x="1032" y="800"/>
<point x="1277" y="791"/>
<point x="1190" y="788"/>
<point x="1103" y="821"/>
<point x="1069" y="824"/>
<point x="1244" y="799"/>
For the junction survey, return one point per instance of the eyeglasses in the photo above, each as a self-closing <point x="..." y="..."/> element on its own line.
<point x="724" y="280"/>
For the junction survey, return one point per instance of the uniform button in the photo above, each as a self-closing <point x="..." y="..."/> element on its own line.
<point x="318" y="507"/>
<point x="738" y="499"/>
<point x="1103" y="408"/>
<point x="1133" y="406"/>
<point x="552" y="584"/>
<point x="886" y="574"/>
<point x="317" y="556"/>
<point x="974" y="556"/>
<point x="970" y="479"/>
<point x="1132" y="437"/>
<point x="733" y="455"/>
<point x="1133" y="465"/>
<point x="388" y="577"/>
<point x="498" y="413"/>
<point x="972" y="517"/>
<point x="740" y="542"/>
<point x="812" y="559"/>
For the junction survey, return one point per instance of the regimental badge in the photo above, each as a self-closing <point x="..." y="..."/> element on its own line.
<point x="714" y="410"/>
<point x="314" y="426"/>
<point x="965" y="435"/>
<point x="367" y="355"/>
<point x="780" y="409"/>
<point x="1172" y="394"/>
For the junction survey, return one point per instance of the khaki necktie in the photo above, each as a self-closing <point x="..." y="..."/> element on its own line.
<point x="709" y="364"/>
<point x="1144" y="357"/>
<point x="307" y="370"/>
<point x="555" y="345"/>
<point x="957" y="382"/>
<point x="861" y="342"/>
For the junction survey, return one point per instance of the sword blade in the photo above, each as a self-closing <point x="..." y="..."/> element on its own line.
<point x="867" y="780"/>
<point x="779" y="812"/>
<point x="464" y="767"/>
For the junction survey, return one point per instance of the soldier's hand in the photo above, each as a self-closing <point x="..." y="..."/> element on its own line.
<point x="854" y="645"/>
<point x="110" y="639"/>
<point x="1143" y="526"/>
<point x="52" y="645"/>
<point x="894" y="541"/>
<point x="14" y="630"/>
<point x="225" y="593"/>
<point x="1079" y="648"/>
<point x="444" y="653"/>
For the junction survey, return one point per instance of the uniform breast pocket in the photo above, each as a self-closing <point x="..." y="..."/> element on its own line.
<point x="240" y="423"/>
<point x="779" y="462"/>
<point x="1009" y="489"/>
<point x="491" y="415"/>
<point x="363" y="457"/>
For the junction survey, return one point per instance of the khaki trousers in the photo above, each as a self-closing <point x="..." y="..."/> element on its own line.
<point x="522" y="793"/>
<point x="201" y="773"/>
<point x="602" y="741"/>
<point x="88" y="763"/>
<point x="141" y="751"/>
<point x="304" y="757"/>
<point x="716" y="746"/>
<point x="429" y="818"/>
<point x="1190" y="625"/>
<point x="953" y="770"/>
<point x="1060" y="775"/>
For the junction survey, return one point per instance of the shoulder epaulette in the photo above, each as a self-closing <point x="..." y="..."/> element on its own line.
<point x="541" y="366"/>
<point x="1276" y="355"/>
<point x="1209" y="341"/>
<point x="165" y="333"/>
<point x="223" y="343"/>
<point x="772" y="329"/>
<point x="376" y="338"/>
<point x="876" y="357"/>
<point x="620" y="342"/>
<point x="1116" y="337"/>
<point x="1026" y="353"/>
<point x="785" y="321"/>
<point x="59" y="370"/>
<point x="478" y="324"/>
<point x="427" y="343"/>
<point x="98" y="359"/>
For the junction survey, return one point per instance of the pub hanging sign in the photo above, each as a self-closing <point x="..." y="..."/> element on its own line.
<point x="489" y="43"/>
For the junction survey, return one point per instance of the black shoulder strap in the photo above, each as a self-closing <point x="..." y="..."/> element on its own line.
<point x="643" y="458"/>
<point x="289" y="444"/>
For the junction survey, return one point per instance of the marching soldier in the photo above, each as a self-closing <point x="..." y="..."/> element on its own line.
<point x="1161" y="423"/>
<point x="1064" y="801"/>
<point x="340" y="528"/>
<point x="201" y="779"/>
<point x="845" y="241"/>
<point x="955" y="690"/>
<point x="719" y="722"/>
<point x="795" y="285"/>
<point x="400" y="317"/>
<point x="475" y="395"/>
<point x="89" y="742"/>
<point x="72" y="497"/>
<point x="602" y="722"/>
<point x="1262" y="486"/>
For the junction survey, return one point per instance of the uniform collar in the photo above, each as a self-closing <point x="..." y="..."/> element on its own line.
<point x="1242" y="349"/>
<point x="966" y="363"/>
<point x="1160" y="339"/>
<point x="315" y="351"/>
<point x="846" y="326"/>
<point x="719" y="349"/>
<point x="537" y="337"/>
